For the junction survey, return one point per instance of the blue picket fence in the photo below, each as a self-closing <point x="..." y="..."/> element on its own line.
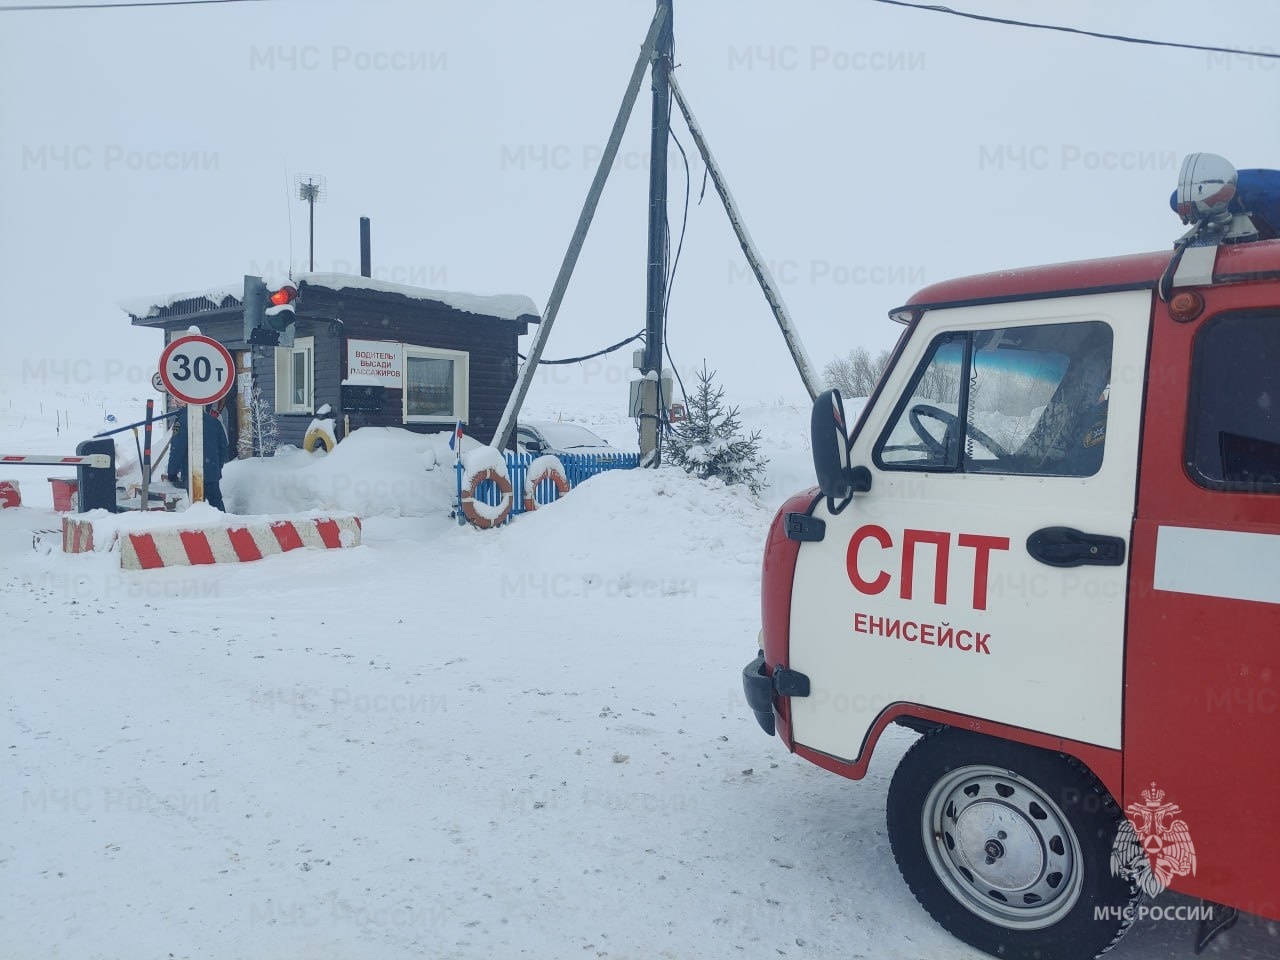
<point x="577" y="467"/>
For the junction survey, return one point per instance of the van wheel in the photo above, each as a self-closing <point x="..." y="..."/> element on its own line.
<point x="1009" y="847"/>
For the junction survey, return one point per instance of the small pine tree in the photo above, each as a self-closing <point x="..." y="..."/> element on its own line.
<point x="263" y="435"/>
<point x="710" y="443"/>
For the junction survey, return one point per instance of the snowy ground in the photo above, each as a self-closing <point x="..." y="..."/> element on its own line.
<point x="528" y="742"/>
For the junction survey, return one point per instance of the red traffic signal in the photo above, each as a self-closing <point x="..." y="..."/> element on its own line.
<point x="283" y="297"/>
<point x="268" y="312"/>
<point x="281" y="307"/>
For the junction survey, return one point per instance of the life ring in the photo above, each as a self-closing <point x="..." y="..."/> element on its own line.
<point x="483" y="515"/>
<point x="317" y="438"/>
<point x="531" y="486"/>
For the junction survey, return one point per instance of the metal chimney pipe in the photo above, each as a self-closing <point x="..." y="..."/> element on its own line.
<point x="366" y="268"/>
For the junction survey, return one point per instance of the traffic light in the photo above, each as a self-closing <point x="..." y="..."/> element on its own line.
<point x="268" y="314"/>
<point x="281" y="309"/>
<point x="255" y="303"/>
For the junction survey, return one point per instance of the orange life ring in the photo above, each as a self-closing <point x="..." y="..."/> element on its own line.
<point x="480" y="519"/>
<point x="531" y="487"/>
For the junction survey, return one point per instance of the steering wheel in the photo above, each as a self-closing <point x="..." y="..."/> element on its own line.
<point x="951" y="422"/>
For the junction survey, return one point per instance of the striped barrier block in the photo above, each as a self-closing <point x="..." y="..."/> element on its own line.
<point x="10" y="495"/>
<point x="77" y="535"/>
<point x="175" y="547"/>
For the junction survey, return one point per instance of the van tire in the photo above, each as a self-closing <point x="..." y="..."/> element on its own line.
<point x="1024" y="875"/>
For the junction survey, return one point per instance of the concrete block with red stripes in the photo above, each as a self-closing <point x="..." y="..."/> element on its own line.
<point x="77" y="535"/>
<point x="10" y="495"/>
<point x="170" y="546"/>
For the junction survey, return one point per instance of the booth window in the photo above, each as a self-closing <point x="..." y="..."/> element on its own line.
<point x="1233" y="440"/>
<point x="294" y="376"/>
<point x="1028" y="400"/>
<point x="435" y="385"/>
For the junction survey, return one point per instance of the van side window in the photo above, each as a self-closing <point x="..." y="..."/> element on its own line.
<point x="1029" y="400"/>
<point x="1233" y="436"/>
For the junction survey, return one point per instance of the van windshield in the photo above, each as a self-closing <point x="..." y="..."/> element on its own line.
<point x="1018" y="400"/>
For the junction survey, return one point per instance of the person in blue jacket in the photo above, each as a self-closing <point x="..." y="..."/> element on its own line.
<point x="215" y="454"/>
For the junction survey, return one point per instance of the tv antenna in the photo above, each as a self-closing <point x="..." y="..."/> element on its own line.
<point x="311" y="189"/>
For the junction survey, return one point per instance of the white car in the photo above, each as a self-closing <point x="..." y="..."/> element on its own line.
<point x="540" y="437"/>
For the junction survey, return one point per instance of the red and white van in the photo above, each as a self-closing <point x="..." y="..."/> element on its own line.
<point x="1051" y="545"/>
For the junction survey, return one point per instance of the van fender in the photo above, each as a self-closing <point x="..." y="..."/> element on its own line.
<point x="1103" y="762"/>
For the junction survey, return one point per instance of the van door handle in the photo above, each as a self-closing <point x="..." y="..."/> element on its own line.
<point x="1065" y="547"/>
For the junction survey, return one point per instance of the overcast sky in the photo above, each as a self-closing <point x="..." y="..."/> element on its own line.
<point x="872" y="150"/>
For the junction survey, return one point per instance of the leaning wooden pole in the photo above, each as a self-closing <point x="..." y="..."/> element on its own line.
<point x="525" y="376"/>
<point x="758" y="266"/>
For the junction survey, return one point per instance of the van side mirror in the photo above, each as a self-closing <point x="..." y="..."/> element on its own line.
<point x="829" y="436"/>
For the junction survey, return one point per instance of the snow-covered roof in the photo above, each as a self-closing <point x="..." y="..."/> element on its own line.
<point x="505" y="306"/>
<point x="154" y="304"/>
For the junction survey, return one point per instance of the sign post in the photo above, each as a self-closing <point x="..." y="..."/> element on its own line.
<point x="195" y="452"/>
<point x="146" y="457"/>
<point x="197" y="370"/>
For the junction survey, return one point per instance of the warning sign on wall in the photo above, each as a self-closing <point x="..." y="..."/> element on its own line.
<point x="374" y="363"/>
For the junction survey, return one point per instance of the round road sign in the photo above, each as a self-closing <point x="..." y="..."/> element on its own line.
<point x="156" y="382"/>
<point x="196" y="369"/>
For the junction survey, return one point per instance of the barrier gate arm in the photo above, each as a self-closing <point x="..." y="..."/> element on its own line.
<point x="99" y="460"/>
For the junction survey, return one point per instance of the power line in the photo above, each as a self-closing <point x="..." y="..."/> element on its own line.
<point x="599" y="353"/>
<point x="684" y="222"/>
<point x="120" y="3"/>
<point x="937" y="8"/>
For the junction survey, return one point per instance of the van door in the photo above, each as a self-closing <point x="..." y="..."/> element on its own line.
<point x="985" y="570"/>
<point x="1202" y="711"/>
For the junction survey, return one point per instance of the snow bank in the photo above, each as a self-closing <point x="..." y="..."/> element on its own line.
<point x="376" y="471"/>
<point x="630" y="534"/>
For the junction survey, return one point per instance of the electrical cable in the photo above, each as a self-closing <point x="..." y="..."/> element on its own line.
<point x="589" y="356"/>
<point x="938" y="8"/>
<point x="663" y="415"/>
<point x="684" y="222"/>
<point x="41" y="7"/>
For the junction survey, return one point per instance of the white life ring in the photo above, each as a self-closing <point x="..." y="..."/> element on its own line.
<point x="483" y="515"/>
<point x="548" y="472"/>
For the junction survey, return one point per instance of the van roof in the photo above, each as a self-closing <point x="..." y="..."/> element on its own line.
<point x="1236" y="263"/>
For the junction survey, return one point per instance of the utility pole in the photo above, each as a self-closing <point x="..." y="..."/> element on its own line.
<point x="652" y="403"/>
<point x="507" y="422"/>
